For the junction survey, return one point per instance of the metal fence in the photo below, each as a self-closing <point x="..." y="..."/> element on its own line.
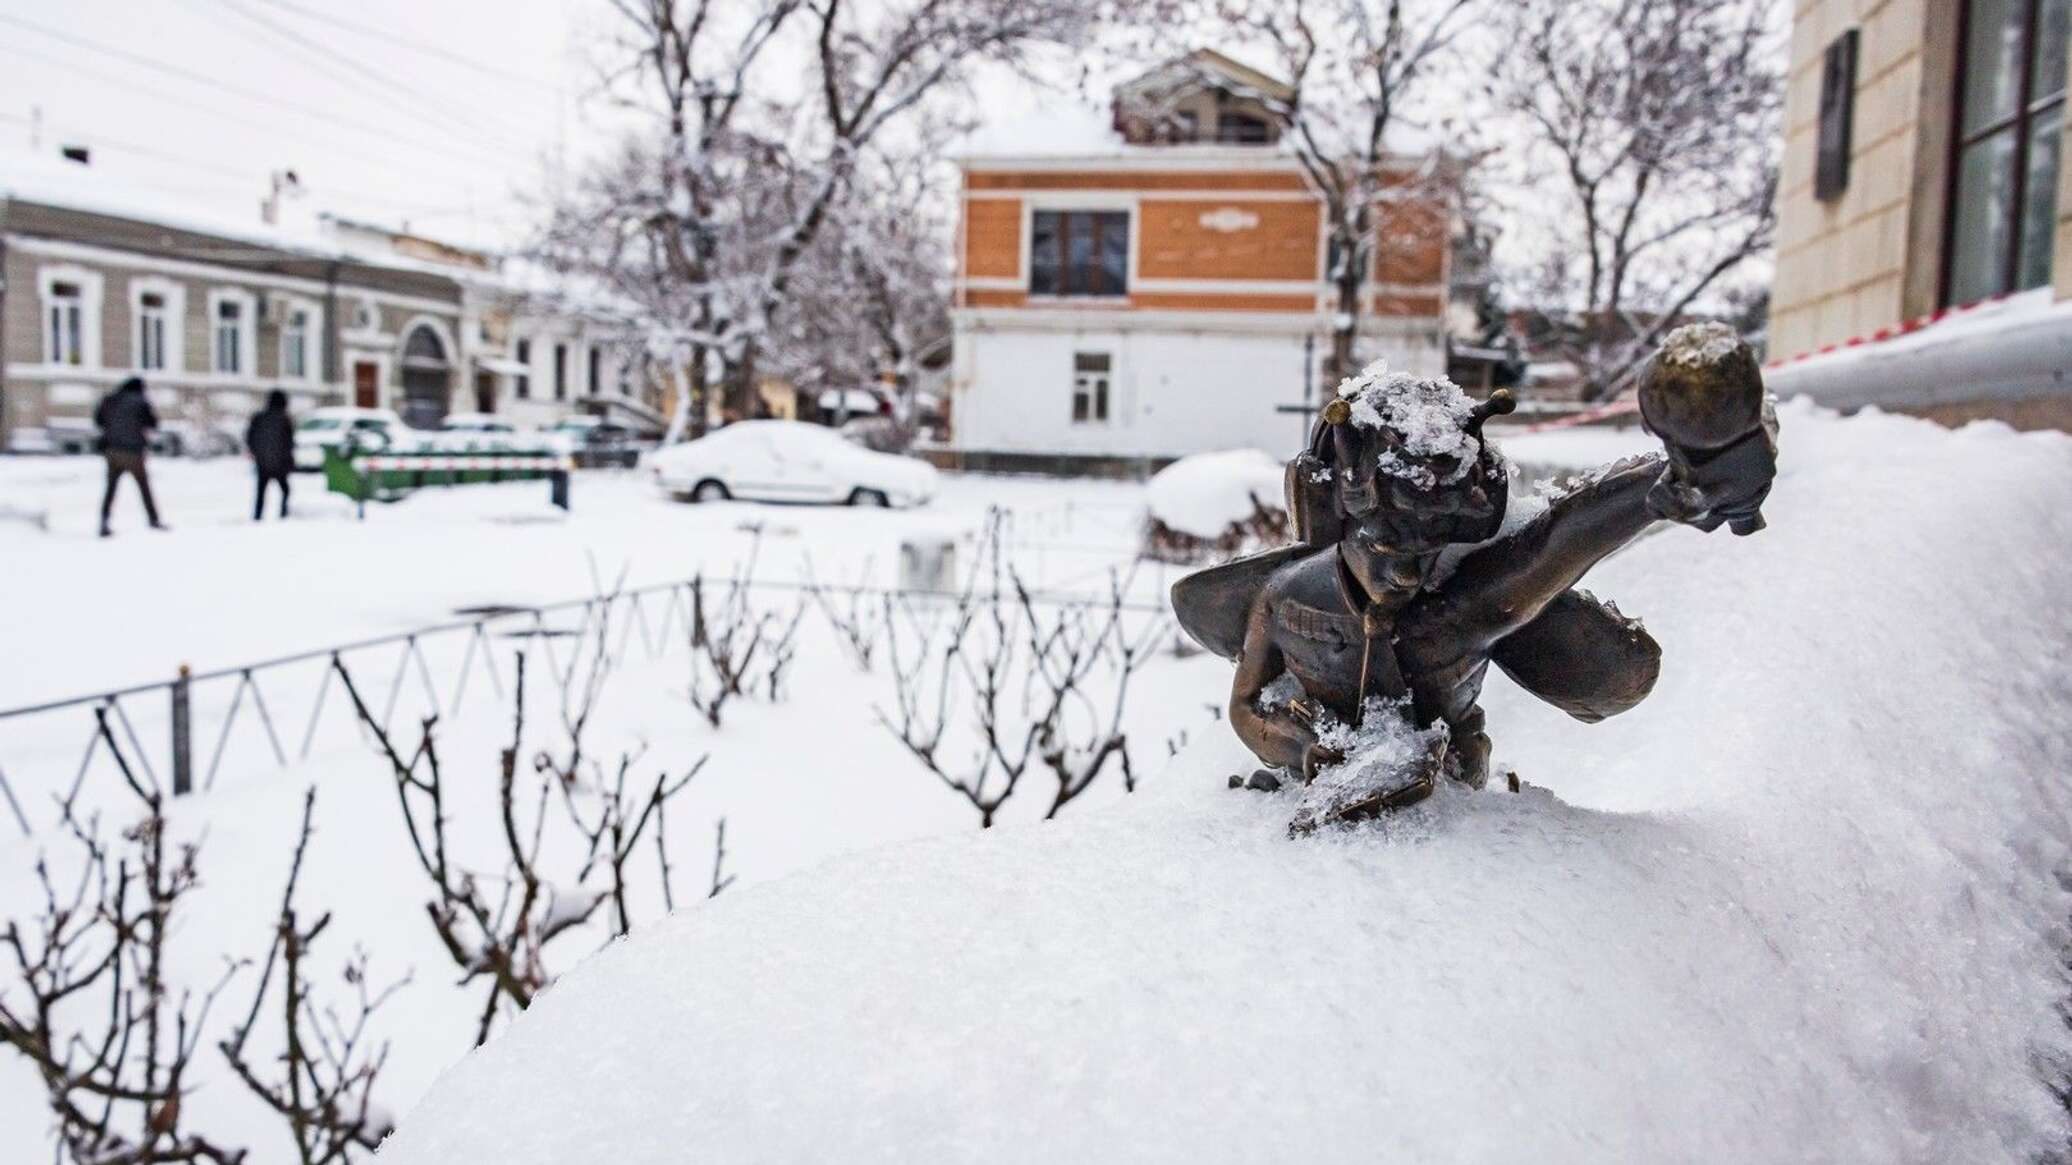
<point x="203" y="721"/>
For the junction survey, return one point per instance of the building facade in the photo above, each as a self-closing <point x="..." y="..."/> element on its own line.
<point x="1118" y="307"/>
<point x="211" y="321"/>
<point x="1921" y="175"/>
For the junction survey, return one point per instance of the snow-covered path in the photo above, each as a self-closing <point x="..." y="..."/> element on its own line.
<point x="1801" y="905"/>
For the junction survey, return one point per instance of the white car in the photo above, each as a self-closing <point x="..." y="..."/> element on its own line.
<point x="479" y="433"/>
<point x="789" y="461"/>
<point x="328" y="428"/>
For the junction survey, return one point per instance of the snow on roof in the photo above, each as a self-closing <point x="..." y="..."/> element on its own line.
<point x="1734" y="924"/>
<point x="53" y="181"/>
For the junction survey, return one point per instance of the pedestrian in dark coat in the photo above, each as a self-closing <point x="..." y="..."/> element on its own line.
<point x="126" y="421"/>
<point x="271" y="438"/>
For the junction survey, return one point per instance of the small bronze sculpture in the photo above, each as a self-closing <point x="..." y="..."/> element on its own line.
<point x="1405" y="582"/>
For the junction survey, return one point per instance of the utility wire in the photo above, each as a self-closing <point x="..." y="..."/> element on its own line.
<point x="386" y="132"/>
<point x="396" y="92"/>
<point x="390" y="37"/>
<point x="116" y="79"/>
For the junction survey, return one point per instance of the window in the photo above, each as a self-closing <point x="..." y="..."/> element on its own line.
<point x="561" y="372"/>
<point x="2004" y="172"/>
<point x="295" y="344"/>
<point x="625" y="378"/>
<point x="1240" y="129"/>
<point x="1079" y="252"/>
<point x="596" y="380"/>
<point x="65" y="324"/>
<point x="1089" y="387"/>
<point x="151" y="331"/>
<point x="230" y="316"/>
<point x="522" y="383"/>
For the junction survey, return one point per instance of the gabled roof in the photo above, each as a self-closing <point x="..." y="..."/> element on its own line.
<point x="1208" y="64"/>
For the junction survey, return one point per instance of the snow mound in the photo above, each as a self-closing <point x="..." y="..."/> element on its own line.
<point x="1800" y="905"/>
<point x="1206" y="494"/>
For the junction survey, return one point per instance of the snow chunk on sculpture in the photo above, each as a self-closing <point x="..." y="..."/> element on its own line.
<point x="1361" y="649"/>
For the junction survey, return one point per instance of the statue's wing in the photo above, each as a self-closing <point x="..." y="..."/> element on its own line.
<point x="1212" y="604"/>
<point x="1583" y="657"/>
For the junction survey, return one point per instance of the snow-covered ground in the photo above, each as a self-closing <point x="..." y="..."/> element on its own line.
<point x="1801" y="905"/>
<point x="1796" y="906"/>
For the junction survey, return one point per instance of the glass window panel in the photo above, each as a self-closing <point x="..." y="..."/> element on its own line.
<point x="1079" y="253"/>
<point x="1043" y="253"/>
<point x="2040" y="199"/>
<point x="1984" y="218"/>
<point x="1115" y="253"/>
<point x="2047" y="64"/>
<point x="1993" y="60"/>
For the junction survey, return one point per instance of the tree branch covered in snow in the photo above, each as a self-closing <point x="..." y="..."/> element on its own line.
<point x="1657" y="122"/>
<point x="1361" y="77"/>
<point x="999" y="689"/>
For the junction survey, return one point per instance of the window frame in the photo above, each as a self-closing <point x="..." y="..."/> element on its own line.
<point x="173" y="315"/>
<point x="560" y="372"/>
<point x="1127" y="212"/>
<point x="247" y="338"/>
<point x="85" y="332"/>
<point x="312" y="330"/>
<point x="2026" y="109"/>
<point x="1100" y="403"/>
<point x="521" y="352"/>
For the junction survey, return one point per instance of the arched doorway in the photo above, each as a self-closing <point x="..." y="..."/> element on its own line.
<point x="427" y="378"/>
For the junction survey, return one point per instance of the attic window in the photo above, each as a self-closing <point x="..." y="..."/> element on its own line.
<point x="1241" y="129"/>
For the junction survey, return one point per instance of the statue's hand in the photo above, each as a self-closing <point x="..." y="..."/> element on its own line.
<point x="1705" y="487"/>
<point x="1317" y="757"/>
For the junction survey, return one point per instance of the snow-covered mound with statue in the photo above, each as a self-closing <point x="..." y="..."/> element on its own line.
<point x="1801" y="904"/>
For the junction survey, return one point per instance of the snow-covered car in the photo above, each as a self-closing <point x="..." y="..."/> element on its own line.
<point x="331" y="427"/>
<point x="789" y="461"/>
<point x="479" y="433"/>
<point x="595" y="442"/>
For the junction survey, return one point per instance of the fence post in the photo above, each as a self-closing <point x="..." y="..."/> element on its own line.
<point x="183" y="749"/>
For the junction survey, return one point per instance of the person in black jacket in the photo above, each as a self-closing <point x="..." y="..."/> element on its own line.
<point x="126" y="421"/>
<point x="271" y="439"/>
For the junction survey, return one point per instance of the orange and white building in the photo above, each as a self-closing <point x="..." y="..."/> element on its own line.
<point x="1136" y="293"/>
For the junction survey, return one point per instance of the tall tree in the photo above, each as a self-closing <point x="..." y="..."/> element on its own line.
<point x="1363" y="82"/>
<point x="1656" y="121"/>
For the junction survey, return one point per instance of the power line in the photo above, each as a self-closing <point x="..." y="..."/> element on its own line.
<point x="414" y="45"/>
<point x="272" y="99"/>
<point x="122" y="82"/>
<point x="385" y="86"/>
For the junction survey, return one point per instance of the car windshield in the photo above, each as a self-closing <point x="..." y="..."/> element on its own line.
<point x="318" y="424"/>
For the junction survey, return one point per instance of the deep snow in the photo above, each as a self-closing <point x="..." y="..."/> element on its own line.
<point x="1799" y="905"/>
<point x="1206" y="494"/>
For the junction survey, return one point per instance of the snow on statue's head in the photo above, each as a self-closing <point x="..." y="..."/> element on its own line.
<point x="1411" y="466"/>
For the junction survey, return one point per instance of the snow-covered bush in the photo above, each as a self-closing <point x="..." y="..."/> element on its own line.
<point x="1215" y="505"/>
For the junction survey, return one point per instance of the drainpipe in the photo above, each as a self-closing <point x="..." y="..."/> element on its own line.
<point x="331" y="370"/>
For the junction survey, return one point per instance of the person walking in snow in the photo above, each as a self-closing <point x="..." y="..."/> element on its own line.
<point x="271" y="439"/>
<point x="126" y="421"/>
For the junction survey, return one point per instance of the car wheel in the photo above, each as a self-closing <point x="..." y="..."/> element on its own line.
<point x="710" y="491"/>
<point x="870" y="497"/>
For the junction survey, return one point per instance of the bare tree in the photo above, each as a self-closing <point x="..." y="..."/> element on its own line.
<point x="1015" y="685"/>
<point x="328" y="1065"/>
<point x="111" y="1039"/>
<point x="1657" y="120"/>
<point x="1362" y="78"/>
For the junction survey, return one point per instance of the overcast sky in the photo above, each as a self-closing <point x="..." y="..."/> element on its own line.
<point x="440" y="113"/>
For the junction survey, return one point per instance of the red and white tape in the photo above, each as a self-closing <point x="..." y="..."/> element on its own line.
<point x="419" y="463"/>
<point x="1896" y="330"/>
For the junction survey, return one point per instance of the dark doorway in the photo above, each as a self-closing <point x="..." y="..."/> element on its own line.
<point x="427" y="379"/>
<point x="485" y="392"/>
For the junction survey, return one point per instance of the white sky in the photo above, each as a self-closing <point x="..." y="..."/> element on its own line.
<point x="441" y="113"/>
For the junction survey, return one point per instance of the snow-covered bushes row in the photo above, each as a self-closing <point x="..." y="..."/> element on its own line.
<point x="1215" y="506"/>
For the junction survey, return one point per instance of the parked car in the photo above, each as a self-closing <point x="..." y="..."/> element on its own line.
<point x="329" y="428"/>
<point x="479" y="433"/>
<point x="595" y="442"/>
<point x="789" y="461"/>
